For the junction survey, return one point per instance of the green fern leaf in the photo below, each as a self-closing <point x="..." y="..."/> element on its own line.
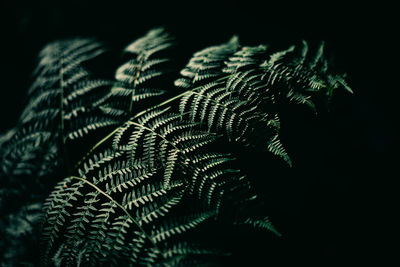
<point x="134" y="78"/>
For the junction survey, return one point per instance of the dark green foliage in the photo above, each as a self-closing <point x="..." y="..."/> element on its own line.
<point x="158" y="164"/>
<point x="59" y="108"/>
<point x="243" y="104"/>
<point x="140" y="195"/>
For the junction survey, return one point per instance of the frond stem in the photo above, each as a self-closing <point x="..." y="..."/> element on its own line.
<point x="119" y="205"/>
<point x="135" y="79"/>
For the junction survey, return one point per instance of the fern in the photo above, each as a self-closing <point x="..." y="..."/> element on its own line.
<point x="236" y="105"/>
<point x="244" y="105"/>
<point x="66" y="102"/>
<point x="59" y="108"/>
<point x="141" y="194"/>
<point x="158" y="161"/>
<point x="150" y="189"/>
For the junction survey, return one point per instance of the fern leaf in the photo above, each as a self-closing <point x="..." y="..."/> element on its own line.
<point x="62" y="90"/>
<point x="207" y="64"/>
<point x="263" y="224"/>
<point x="179" y="225"/>
<point x="135" y="77"/>
<point x="150" y="189"/>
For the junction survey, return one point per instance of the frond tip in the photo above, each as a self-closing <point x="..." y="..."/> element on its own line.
<point x="263" y="224"/>
<point x="148" y="61"/>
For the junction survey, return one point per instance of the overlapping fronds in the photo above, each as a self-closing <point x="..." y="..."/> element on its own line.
<point x="58" y="108"/>
<point x="66" y="102"/>
<point x="158" y="164"/>
<point x="304" y="73"/>
<point x="141" y="194"/>
<point x="243" y="104"/>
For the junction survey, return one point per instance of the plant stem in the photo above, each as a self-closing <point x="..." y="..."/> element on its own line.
<point x="119" y="205"/>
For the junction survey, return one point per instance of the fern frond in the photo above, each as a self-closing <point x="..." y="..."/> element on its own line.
<point x="245" y="58"/>
<point x="59" y="100"/>
<point x="243" y="105"/>
<point x="179" y="225"/>
<point x="184" y="254"/>
<point x="135" y="77"/>
<point x="151" y="189"/>
<point x="68" y="102"/>
<point x="73" y="51"/>
<point x="142" y="193"/>
<point x="263" y="224"/>
<point x="221" y="108"/>
<point x="207" y="64"/>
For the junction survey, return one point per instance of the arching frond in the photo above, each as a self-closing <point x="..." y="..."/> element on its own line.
<point x="159" y="163"/>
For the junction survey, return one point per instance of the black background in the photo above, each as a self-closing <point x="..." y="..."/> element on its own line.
<point x="329" y="205"/>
